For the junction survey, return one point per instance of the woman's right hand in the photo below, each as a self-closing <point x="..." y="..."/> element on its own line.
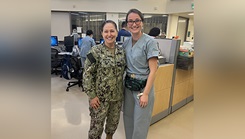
<point x="95" y="103"/>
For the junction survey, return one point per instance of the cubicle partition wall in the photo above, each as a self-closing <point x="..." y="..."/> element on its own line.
<point x="183" y="88"/>
<point x="169" y="49"/>
<point x="163" y="90"/>
<point x="173" y="87"/>
<point x="164" y="83"/>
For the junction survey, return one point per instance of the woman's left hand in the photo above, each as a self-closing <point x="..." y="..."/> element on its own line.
<point x="143" y="100"/>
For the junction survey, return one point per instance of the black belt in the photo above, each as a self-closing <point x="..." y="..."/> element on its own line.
<point x="134" y="84"/>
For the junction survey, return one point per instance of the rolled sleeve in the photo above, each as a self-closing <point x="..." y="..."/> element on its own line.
<point x="152" y="49"/>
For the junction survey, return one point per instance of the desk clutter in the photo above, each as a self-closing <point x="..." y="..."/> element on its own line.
<point x="185" y="63"/>
<point x="185" y="56"/>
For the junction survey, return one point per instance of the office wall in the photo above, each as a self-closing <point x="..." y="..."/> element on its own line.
<point x="122" y="6"/>
<point x="178" y="6"/>
<point x="172" y="26"/>
<point x="113" y="17"/>
<point x="60" y="24"/>
<point x="114" y="6"/>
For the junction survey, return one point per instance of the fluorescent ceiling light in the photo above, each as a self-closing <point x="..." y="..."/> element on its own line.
<point x="74" y="13"/>
<point x="95" y="20"/>
<point x="181" y="21"/>
<point x="147" y="16"/>
<point x="191" y="14"/>
<point x="82" y="12"/>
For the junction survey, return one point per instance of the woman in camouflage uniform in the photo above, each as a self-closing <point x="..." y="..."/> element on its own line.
<point x="103" y="82"/>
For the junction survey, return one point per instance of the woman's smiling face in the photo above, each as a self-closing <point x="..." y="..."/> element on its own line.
<point x="134" y="23"/>
<point x="109" y="33"/>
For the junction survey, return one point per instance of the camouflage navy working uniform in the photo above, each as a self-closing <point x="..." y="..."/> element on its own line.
<point x="103" y="77"/>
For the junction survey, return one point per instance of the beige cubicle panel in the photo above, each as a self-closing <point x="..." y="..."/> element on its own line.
<point x="162" y="87"/>
<point x="190" y="91"/>
<point x="183" y="86"/>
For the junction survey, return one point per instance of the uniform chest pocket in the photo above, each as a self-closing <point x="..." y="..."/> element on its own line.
<point x="107" y="63"/>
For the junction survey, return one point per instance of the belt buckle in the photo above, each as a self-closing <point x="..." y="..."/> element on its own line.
<point x="132" y="75"/>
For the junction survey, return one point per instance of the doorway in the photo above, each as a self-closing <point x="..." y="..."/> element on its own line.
<point x="182" y="29"/>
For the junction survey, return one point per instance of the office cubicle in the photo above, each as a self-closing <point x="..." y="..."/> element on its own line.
<point x="173" y="87"/>
<point x="164" y="81"/>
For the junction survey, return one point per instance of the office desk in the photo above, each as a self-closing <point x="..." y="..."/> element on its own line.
<point x="65" y="53"/>
<point x="60" y="48"/>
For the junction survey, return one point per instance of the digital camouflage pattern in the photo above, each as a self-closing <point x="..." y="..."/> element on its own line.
<point x="111" y="109"/>
<point x="103" y="77"/>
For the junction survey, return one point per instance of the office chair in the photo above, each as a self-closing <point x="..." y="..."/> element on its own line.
<point x="76" y="72"/>
<point x="56" y="61"/>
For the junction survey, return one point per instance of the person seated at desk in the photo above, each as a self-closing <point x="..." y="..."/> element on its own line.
<point x="123" y="32"/>
<point x="154" y="32"/>
<point x="86" y="45"/>
<point x="75" y="36"/>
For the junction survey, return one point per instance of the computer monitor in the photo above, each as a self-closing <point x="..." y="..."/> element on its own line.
<point x="54" y="41"/>
<point x="69" y="43"/>
<point x="102" y="41"/>
<point x="123" y="38"/>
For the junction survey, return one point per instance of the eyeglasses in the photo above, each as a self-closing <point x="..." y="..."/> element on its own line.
<point x="131" y="22"/>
